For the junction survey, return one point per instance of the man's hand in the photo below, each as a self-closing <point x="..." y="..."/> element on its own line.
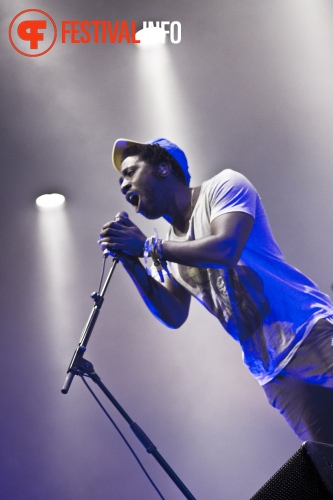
<point x="121" y="235"/>
<point x="168" y="302"/>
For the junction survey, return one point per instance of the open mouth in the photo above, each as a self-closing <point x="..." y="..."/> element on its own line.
<point x="133" y="199"/>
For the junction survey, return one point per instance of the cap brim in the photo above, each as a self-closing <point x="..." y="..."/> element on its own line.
<point x="118" y="148"/>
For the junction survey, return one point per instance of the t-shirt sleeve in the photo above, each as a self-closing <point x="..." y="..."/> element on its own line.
<point x="232" y="192"/>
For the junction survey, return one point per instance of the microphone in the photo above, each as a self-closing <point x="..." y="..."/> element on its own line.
<point x="117" y="218"/>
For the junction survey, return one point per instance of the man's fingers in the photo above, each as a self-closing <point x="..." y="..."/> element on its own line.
<point x="125" y="220"/>
<point x="105" y="226"/>
<point x="121" y="218"/>
<point x="115" y="229"/>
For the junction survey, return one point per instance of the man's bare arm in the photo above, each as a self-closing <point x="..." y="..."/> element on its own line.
<point x="168" y="302"/>
<point x="222" y="248"/>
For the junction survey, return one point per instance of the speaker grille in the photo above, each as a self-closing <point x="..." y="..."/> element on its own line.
<point x="297" y="479"/>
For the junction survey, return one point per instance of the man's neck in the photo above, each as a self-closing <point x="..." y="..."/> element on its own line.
<point x="184" y="203"/>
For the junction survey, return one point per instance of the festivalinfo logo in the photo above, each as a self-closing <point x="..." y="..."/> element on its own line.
<point x="33" y="32"/>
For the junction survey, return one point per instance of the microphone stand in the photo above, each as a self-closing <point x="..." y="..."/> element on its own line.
<point x="81" y="366"/>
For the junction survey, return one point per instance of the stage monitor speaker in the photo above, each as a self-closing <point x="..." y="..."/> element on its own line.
<point x="307" y="475"/>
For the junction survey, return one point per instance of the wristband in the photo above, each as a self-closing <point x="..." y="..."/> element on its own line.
<point x="153" y="247"/>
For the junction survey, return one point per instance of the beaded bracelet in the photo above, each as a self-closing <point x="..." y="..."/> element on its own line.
<point x="153" y="247"/>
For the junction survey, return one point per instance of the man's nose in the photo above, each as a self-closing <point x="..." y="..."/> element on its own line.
<point x="125" y="186"/>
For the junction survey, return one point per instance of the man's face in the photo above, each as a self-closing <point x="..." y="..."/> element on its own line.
<point x="140" y="184"/>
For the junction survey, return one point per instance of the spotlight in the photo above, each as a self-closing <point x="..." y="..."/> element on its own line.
<point x="50" y="202"/>
<point x="150" y="37"/>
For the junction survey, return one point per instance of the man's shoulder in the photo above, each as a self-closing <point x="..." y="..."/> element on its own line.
<point x="226" y="177"/>
<point x="228" y="191"/>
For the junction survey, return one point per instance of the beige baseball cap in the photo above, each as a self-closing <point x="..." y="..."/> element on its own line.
<point x="121" y="144"/>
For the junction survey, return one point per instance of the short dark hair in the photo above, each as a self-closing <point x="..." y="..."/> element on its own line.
<point x="155" y="155"/>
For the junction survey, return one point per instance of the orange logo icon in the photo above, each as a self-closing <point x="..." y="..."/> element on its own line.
<point x="32" y="32"/>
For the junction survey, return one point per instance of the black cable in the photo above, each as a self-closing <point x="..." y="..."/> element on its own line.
<point x="120" y="433"/>
<point x="102" y="276"/>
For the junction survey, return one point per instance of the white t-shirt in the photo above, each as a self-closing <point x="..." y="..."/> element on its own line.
<point x="268" y="306"/>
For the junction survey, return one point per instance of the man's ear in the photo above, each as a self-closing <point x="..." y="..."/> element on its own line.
<point x="164" y="169"/>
